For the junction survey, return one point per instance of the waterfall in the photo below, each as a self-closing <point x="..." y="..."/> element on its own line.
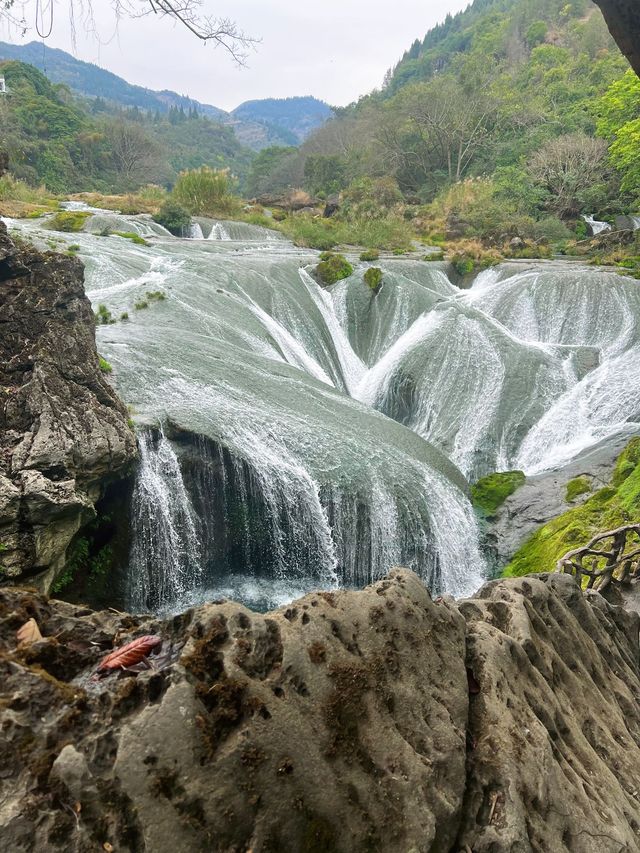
<point x="219" y="232"/>
<point x="596" y="227"/>
<point x="636" y="222"/>
<point x="166" y="558"/>
<point x="195" y="231"/>
<point x="318" y="436"/>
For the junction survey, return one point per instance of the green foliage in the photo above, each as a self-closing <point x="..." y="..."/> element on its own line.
<point x="75" y="561"/>
<point x="619" y="124"/>
<point x="68" y="221"/>
<point x="333" y="268"/>
<point x="174" y="217"/>
<point x="373" y="278"/>
<point x="491" y="492"/>
<point x="609" y="508"/>
<point x="105" y="367"/>
<point x="155" y="295"/>
<point x="124" y="315"/>
<point x="536" y="33"/>
<point x="265" y="164"/>
<point x="325" y="174"/>
<point x="576" y="487"/>
<point x="141" y="305"/>
<point x="103" y="316"/>
<point x="205" y="191"/>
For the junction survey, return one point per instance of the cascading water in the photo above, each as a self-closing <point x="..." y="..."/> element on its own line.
<point x="195" y="231"/>
<point x="310" y="432"/>
<point x="166" y="557"/>
<point x="596" y="226"/>
<point x="219" y="232"/>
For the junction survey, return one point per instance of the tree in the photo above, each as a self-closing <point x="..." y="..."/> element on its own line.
<point x="223" y="32"/>
<point x="567" y="167"/>
<point x="135" y="156"/>
<point x="619" y="123"/>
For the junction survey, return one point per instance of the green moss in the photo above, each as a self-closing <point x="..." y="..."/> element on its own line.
<point x="105" y="367"/>
<point x="130" y="235"/>
<point x="373" y="278"/>
<point x="576" y="487"/>
<point x="491" y="491"/>
<point x="68" y="221"/>
<point x="333" y="268"/>
<point x="610" y="507"/>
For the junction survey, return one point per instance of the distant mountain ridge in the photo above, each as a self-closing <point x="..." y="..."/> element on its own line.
<point x="257" y="124"/>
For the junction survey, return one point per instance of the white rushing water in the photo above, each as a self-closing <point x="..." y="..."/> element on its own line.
<point x="596" y="226"/>
<point x="317" y="437"/>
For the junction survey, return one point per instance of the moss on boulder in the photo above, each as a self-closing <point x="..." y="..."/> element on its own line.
<point x="610" y="507"/>
<point x="333" y="268"/>
<point x="491" y="491"/>
<point x="576" y="487"/>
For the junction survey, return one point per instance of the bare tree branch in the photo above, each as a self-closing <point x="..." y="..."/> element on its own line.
<point x="222" y="32"/>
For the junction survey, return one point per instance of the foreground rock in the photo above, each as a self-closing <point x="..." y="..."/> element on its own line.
<point x="63" y="431"/>
<point x="376" y="720"/>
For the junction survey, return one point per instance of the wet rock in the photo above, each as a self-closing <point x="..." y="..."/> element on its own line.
<point x="544" y="497"/>
<point x="374" y="720"/>
<point x="63" y="431"/>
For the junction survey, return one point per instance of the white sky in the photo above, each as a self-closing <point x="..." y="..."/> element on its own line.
<point x="336" y="50"/>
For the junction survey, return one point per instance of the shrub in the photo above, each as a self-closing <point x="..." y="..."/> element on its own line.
<point x="103" y="316"/>
<point x="174" y="218"/>
<point x="155" y="296"/>
<point x="105" y="367"/>
<point x="69" y="221"/>
<point x="141" y="305"/>
<point x="333" y="268"/>
<point x="373" y="278"/>
<point x="206" y="191"/>
<point x="370" y="255"/>
<point x="124" y="315"/>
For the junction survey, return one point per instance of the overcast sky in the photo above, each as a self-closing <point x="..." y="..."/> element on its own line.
<point x="333" y="49"/>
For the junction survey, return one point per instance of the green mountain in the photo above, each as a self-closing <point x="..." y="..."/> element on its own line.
<point x="71" y="144"/>
<point x="257" y="124"/>
<point x="300" y="115"/>
<point x="507" y="93"/>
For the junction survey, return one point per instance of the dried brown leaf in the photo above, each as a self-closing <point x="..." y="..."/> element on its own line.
<point x="28" y="633"/>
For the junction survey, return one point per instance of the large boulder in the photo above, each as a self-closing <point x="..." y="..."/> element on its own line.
<point x="375" y="720"/>
<point x="64" y="433"/>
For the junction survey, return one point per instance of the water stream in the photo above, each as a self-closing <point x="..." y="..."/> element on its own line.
<point x="293" y="437"/>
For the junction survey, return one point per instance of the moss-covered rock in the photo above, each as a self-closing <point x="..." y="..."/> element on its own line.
<point x="69" y="221"/>
<point x="610" y="507"/>
<point x="491" y="491"/>
<point x="333" y="268"/>
<point x="576" y="487"/>
<point x="373" y="278"/>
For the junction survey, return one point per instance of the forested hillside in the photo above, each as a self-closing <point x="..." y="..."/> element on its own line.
<point x="512" y="108"/>
<point x="71" y="145"/>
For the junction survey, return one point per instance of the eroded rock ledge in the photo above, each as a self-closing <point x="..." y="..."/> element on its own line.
<point x="377" y="720"/>
<point x="63" y="430"/>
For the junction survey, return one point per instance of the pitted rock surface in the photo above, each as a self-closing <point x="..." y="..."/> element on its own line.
<point x="376" y="720"/>
<point x="63" y="431"/>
